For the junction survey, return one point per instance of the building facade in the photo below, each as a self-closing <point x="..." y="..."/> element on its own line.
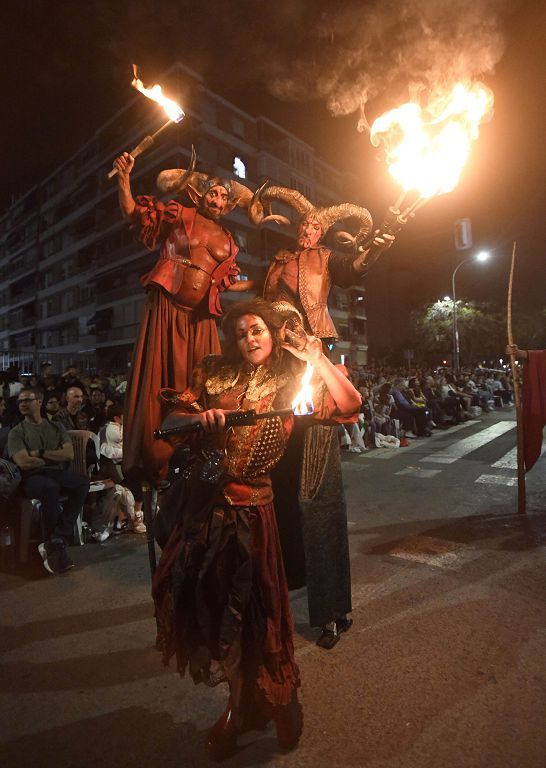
<point x="69" y="267"/>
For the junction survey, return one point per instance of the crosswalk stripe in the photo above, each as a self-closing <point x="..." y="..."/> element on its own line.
<point x="497" y="480"/>
<point x="463" y="447"/>
<point x="508" y="461"/>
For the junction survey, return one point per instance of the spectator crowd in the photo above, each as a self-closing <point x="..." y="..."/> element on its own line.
<point x="403" y="404"/>
<point x="39" y="413"/>
<point x="40" y="418"/>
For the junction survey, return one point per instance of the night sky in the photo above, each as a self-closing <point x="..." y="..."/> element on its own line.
<point x="317" y="68"/>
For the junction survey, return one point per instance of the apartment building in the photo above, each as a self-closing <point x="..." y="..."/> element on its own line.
<point x="69" y="266"/>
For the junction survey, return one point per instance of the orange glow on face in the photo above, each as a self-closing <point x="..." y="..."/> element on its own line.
<point x="427" y="148"/>
<point x="155" y="93"/>
<point x="302" y="404"/>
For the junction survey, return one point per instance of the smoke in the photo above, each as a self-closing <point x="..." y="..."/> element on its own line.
<point x="357" y="52"/>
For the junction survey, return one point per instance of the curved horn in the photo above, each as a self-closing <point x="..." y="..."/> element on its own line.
<point x="176" y="179"/>
<point x="291" y="197"/>
<point x="256" y="210"/>
<point x="328" y="216"/>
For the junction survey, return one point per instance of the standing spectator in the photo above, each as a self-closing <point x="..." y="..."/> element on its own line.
<point x="42" y="449"/>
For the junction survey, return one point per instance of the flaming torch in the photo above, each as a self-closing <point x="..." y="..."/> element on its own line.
<point x="172" y="110"/>
<point x="302" y="404"/>
<point x="426" y="149"/>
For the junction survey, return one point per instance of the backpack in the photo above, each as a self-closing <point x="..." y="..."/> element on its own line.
<point x="10" y="479"/>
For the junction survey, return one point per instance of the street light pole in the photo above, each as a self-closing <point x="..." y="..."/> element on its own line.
<point x="482" y="256"/>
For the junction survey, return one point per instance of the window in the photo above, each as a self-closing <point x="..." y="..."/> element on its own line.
<point x="239" y="168"/>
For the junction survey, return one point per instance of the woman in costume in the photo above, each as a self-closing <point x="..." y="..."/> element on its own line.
<point x="220" y="590"/>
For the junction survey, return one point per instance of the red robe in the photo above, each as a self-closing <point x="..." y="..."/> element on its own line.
<point x="172" y="339"/>
<point x="534" y="405"/>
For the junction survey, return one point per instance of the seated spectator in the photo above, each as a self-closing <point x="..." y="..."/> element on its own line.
<point x="12" y="385"/>
<point x="95" y="409"/>
<point x="480" y="397"/>
<point x="413" y="419"/>
<point x="383" y="405"/>
<point x="450" y="400"/>
<point x="453" y="390"/>
<point x="498" y="389"/>
<point x="42" y="449"/>
<point x="433" y="399"/>
<point x="111" y="450"/>
<point x="70" y="379"/>
<point x="72" y="415"/>
<point x="415" y="395"/>
<point x="51" y="405"/>
<point x="507" y="388"/>
<point x="47" y="380"/>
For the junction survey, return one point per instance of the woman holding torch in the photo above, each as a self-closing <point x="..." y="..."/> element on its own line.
<point x="220" y="590"/>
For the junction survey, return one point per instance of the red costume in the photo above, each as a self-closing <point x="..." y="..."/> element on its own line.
<point x="220" y="589"/>
<point x="196" y="263"/>
<point x="534" y="405"/>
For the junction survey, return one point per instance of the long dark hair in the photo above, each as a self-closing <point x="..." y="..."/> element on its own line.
<point x="280" y="360"/>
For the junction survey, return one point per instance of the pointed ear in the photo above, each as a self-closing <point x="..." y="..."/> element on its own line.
<point x="193" y="194"/>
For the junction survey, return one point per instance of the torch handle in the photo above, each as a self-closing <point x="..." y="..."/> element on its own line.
<point x="145" y="144"/>
<point x="233" y="419"/>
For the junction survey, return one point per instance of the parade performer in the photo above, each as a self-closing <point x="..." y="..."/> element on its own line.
<point x="313" y="527"/>
<point x="196" y="263"/>
<point x="220" y="590"/>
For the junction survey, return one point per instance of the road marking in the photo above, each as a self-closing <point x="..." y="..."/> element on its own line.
<point x="463" y="447"/>
<point x="418" y="472"/>
<point x="497" y="480"/>
<point x="390" y="453"/>
<point x="429" y="550"/>
<point x="508" y="461"/>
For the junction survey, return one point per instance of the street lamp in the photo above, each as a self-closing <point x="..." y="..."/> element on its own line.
<point x="481" y="256"/>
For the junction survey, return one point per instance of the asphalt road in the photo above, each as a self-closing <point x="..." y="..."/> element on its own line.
<point x="444" y="666"/>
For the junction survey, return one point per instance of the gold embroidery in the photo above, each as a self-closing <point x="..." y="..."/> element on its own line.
<point x="223" y="379"/>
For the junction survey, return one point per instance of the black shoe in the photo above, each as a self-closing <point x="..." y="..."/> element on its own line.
<point x="65" y="561"/>
<point x="344" y="624"/>
<point x="51" y="555"/>
<point x="329" y="636"/>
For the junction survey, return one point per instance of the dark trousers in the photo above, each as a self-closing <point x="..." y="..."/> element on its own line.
<point x="58" y="519"/>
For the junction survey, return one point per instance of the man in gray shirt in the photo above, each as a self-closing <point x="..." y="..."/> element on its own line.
<point x="42" y="450"/>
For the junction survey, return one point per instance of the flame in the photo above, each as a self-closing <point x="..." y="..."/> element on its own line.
<point x="428" y="148"/>
<point x="302" y="404"/>
<point x="155" y="93"/>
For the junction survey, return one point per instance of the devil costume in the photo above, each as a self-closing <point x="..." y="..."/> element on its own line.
<point x="220" y="589"/>
<point x="175" y="333"/>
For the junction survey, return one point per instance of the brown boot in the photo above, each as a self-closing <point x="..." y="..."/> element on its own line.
<point x="289" y="723"/>
<point x="222" y="737"/>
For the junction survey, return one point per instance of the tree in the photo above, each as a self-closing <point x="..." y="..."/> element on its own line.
<point x="481" y="327"/>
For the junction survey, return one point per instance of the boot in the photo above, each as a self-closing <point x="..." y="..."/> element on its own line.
<point x="222" y="737"/>
<point x="289" y="723"/>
